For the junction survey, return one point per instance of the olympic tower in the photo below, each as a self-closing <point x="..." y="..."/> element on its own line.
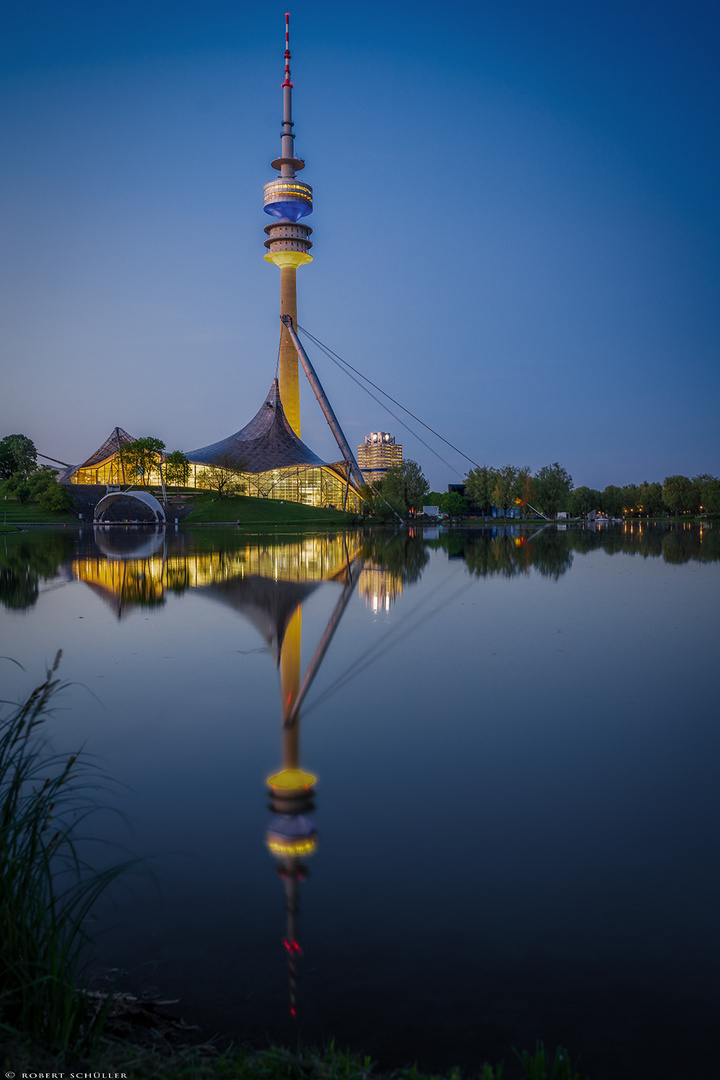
<point x="288" y="199"/>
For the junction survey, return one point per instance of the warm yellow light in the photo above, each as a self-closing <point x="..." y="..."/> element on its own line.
<point x="292" y="780"/>
<point x="301" y="845"/>
<point x="285" y="259"/>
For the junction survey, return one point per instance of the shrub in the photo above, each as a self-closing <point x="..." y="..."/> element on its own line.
<point x="55" y="497"/>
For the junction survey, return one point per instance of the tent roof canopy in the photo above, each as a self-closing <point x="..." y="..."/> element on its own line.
<point x="267" y="442"/>
<point x="117" y="438"/>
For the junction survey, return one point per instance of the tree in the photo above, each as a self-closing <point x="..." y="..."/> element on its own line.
<point x="453" y="503"/>
<point x="631" y="499"/>
<point x="525" y="489"/>
<point x="553" y="485"/>
<point x="650" y="499"/>
<point x="582" y="500"/>
<point x="177" y="468"/>
<point x="506" y="486"/>
<point x="405" y="486"/>
<point x="611" y="500"/>
<point x="17" y="455"/>
<point x="478" y="487"/>
<point x="678" y="494"/>
<point x="223" y="476"/>
<point x="41" y="479"/>
<point x="707" y="490"/>
<point x="141" y="457"/>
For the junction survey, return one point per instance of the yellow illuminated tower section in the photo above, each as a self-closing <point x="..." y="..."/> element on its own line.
<point x="288" y="199"/>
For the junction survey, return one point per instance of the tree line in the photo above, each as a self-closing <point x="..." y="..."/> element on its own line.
<point x="551" y="491"/>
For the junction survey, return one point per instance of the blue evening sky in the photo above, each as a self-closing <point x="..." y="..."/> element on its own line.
<point x="515" y="227"/>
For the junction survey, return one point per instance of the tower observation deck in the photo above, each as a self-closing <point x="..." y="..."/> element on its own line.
<point x="288" y="244"/>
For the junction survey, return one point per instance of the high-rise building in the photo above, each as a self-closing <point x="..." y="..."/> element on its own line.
<point x="377" y="454"/>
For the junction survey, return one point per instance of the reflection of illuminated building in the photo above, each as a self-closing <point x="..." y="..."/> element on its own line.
<point x="380" y="587"/>
<point x="377" y="454"/>
<point x="122" y="582"/>
<point x="138" y="575"/>
<point x="266" y="583"/>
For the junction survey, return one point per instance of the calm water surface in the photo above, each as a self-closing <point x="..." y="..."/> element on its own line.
<point x="515" y="739"/>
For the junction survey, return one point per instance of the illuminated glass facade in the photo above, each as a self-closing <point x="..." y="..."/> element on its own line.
<point x="319" y="486"/>
<point x="265" y="456"/>
<point x="115" y="473"/>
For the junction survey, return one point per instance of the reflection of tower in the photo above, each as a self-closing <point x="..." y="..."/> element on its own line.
<point x="288" y="199"/>
<point x="291" y="835"/>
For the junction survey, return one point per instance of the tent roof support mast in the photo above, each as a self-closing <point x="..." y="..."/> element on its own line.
<point x="324" y="403"/>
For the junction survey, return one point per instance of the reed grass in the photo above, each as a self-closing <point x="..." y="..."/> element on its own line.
<point x="207" y="1062"/>
<point x="237" y="1063"/>
<point x="46" y="889"/>
<point x="542" y="1066"/>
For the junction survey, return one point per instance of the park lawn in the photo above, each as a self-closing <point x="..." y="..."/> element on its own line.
<point x="30" y="513"/>
<point x="249" y="510"/>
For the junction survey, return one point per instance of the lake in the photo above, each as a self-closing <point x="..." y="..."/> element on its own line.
<point x="514" y="735"/>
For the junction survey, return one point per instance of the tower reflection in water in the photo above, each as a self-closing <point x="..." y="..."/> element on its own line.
<point x="267" y="582"/>
<point x="291" y="835"/>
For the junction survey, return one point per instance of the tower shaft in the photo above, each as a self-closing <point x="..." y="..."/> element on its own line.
<point x="288" y="199"/>
<point x="288" y="377"/>
<point x="290" y="684"/>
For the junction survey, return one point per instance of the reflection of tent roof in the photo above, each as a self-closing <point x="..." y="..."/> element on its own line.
<point x="117" y="438"/>
<point x="268" y="604"/>
<point x="267" y="442"/>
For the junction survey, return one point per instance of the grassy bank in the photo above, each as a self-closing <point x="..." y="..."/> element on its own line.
<point x="206" y="509"/>
<point x="13" y="513"/>
<point x="126" y="1060"/>
<point x="249" y="510"/>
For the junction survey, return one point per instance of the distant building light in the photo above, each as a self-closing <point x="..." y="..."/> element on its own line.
<point x="377" y="454"/>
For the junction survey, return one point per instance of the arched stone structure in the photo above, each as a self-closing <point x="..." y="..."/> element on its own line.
<point x="143" y="497"/>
